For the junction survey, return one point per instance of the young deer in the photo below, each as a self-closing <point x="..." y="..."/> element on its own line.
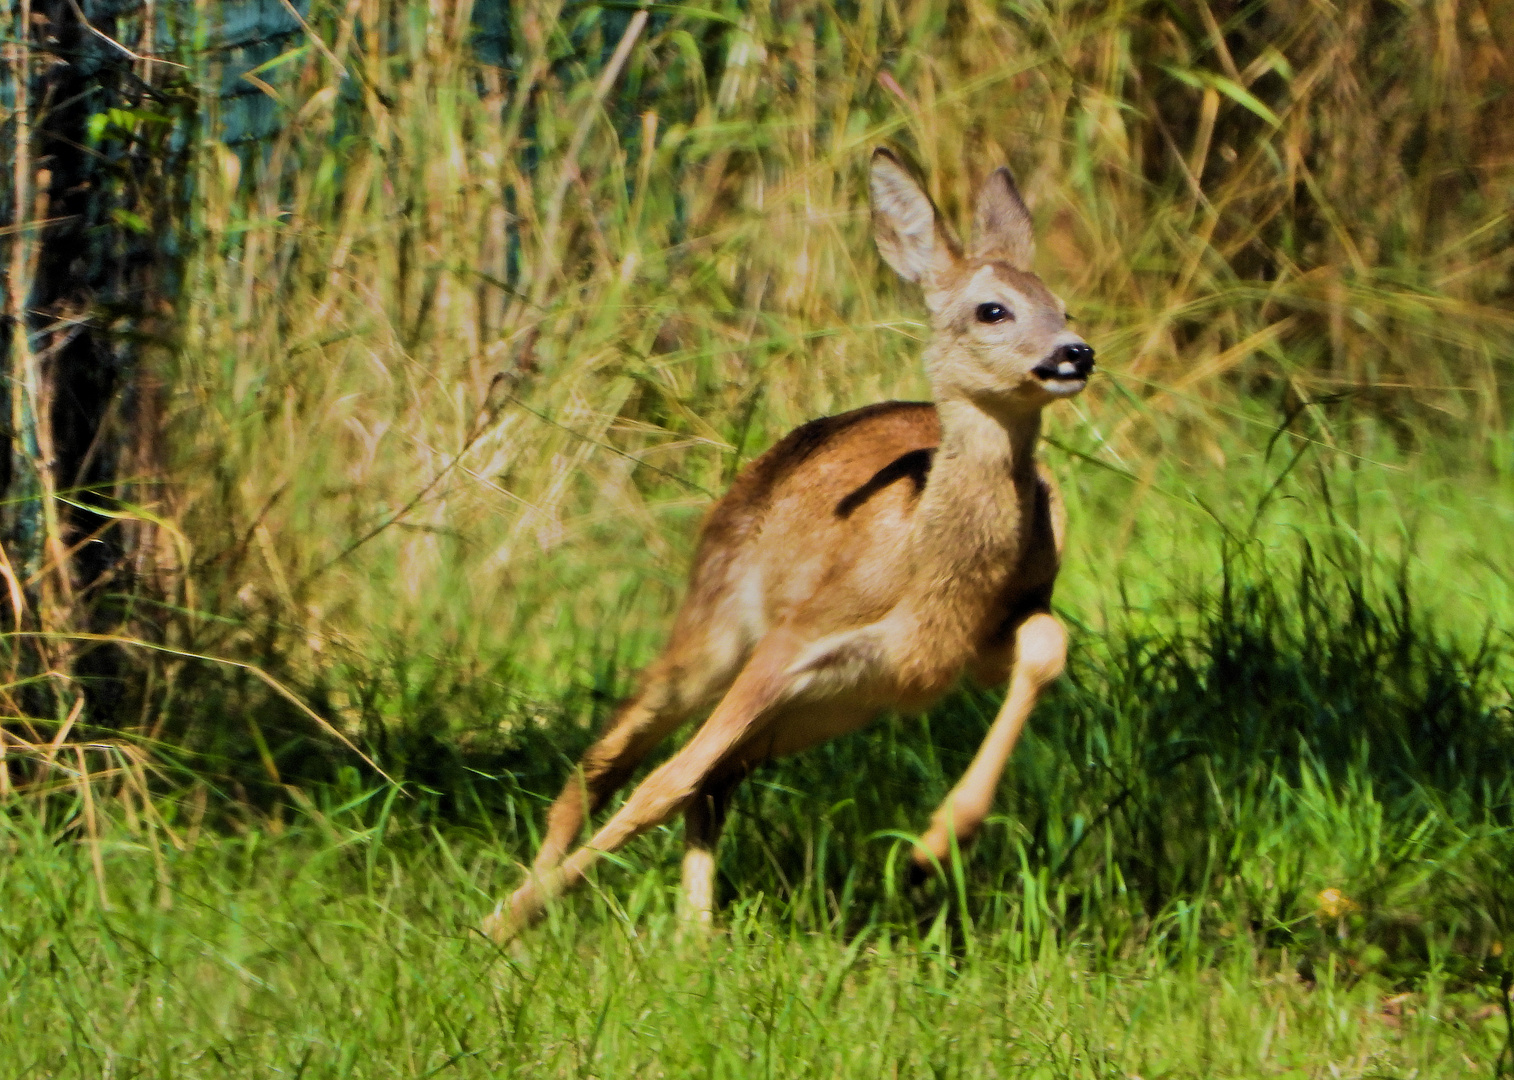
<point x="863" y="563"/>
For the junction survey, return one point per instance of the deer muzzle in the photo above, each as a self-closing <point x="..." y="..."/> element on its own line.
<point x="1069" y="362"/>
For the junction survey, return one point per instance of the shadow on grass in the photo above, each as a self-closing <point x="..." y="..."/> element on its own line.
<point x="1299" y="759"/>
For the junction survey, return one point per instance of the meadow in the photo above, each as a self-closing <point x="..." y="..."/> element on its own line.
<point x="462" y="353"/>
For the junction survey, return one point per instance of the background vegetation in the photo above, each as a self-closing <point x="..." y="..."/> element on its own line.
<point x="460" y="354"/>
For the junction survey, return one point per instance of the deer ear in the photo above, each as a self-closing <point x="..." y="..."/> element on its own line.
<point x="1001" y="225"/>
<point x="904" y="222"/>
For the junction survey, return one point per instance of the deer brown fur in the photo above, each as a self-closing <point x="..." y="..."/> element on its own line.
<point x="864" y="563"/>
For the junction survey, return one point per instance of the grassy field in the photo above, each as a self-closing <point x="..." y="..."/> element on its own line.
<point x="1265" y="832"/>
<point x="345" y="950"/>
<point x="462" y="355"/>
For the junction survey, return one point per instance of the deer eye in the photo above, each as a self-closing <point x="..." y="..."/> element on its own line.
<point x="992" y="313"/>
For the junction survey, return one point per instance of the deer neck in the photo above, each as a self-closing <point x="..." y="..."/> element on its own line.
<point x="970" y="525"/>
<point x="973" y="504"/>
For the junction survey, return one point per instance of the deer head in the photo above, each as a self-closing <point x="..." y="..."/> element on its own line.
<point x="1000" y="336"/>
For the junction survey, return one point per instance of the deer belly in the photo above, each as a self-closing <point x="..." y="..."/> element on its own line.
<point x="802" y="726"/>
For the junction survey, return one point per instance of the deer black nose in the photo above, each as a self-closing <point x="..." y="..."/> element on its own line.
<point x="1067" y="362"/>
<point x="1080" y="356"/>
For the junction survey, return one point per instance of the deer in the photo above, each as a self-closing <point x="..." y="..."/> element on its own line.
<point x="863" y="563"/>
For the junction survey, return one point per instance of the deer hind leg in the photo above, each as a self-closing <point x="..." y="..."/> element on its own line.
<point x="1040" y="652"/>
<point x="636" y="729"/>
<point x="672" y="688"/>
<point x="703" y="820"/>
<point x="669" y="789"/>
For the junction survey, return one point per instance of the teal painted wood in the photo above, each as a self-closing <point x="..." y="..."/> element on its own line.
<point x="104" y="263"/>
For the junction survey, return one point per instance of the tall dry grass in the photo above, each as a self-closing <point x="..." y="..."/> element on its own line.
<point x="465" y="350"/>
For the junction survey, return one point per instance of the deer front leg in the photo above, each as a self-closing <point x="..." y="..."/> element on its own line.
<point x="1040" y="653"/>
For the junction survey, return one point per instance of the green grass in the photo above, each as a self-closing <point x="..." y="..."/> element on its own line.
<point x="1265" y="830"/>
<point x="342" y="950"/>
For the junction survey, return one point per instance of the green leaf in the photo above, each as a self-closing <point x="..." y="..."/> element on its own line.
<point x="1244" y="98"/>
<point x="1202" y="80"/>
<point x="130" y="221"/>
<point x="278" y="61"/>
